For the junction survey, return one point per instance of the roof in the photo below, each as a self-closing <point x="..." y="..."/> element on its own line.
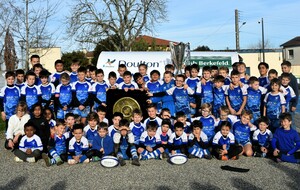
<point x="89" y="54"/>
<point x="149" y="40"/>
<point x="293" y="42"/>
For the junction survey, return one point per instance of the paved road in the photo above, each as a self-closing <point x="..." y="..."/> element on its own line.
<point x="153" y="174"/>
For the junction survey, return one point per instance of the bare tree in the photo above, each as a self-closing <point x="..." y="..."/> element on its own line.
<point x="10" y="57"/>
<point x="258" y="45"/>
<point x="91" y="22"/>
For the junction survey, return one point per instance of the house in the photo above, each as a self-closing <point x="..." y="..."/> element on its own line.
<point x="155" y="43"/>
<point x="291" y="53"/>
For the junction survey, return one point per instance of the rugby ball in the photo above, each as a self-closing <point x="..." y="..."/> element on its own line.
<point x="109" y="161"/>
<point x="178" y="159"/>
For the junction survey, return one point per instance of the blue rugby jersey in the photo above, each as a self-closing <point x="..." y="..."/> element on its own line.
<point x="221" y="140"/>
<point x="263" y="138"/>
<point x="73" y="77"/>
<point x="47" y="91"/>
<point x="137" y="129"/>
<point x="10" y="98"/>
<point x="178" y="140"/>
<point x="263" y="81"/>
<point x="181" y="98"/>
<point x="64" y="93"/>
<point x="192" y="83"/>
<point x="31" y="95"/>
<point x="146" y="140"/>
<point x="273" y="103"/>
<point x="208" y="125"/>
<point x="254" y="98"/>
<point x="236" y="96"/>
<point x="154" y="87"/>
<point x="78" y="148"/>
<point x="82" y="91"/>
<point x="99" y="90"/>
<point x="90" y="133"/>
<point x="242" y="132"/>
<point x="122" y="85"/>
<point x="33" y="143"/>
<point x="207" y="92"/>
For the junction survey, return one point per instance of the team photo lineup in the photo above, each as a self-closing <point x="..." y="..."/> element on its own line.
<point x="207" y="112"/>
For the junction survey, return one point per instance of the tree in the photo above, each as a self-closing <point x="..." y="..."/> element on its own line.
<point x="68" y="57"/>
<point x="10" y="57"/>
<point x="202" y="48"/>
<point x="123" y="19"/>
<point x="258" y="45"/>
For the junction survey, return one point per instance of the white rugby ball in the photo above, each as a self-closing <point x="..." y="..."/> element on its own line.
<point x="109" y="161"/>
<point x="178" y="159"/>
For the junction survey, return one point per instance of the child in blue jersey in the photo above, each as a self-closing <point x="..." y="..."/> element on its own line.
<point x="30" y="93"/>
<point x="15" y="129"/>
<point x="225" y="116"/>
<point x="152" y="111"/>
<point x="224" y="71"/>
<point x="121" y="70"/>
<point x="117" y="116"/>
<point x="124" y="144"/>
<point x="90" y="131"/>
<point x="181" y="117"/>
<point x="154" y="86"/>
<point x="138" y="79"/>
<point x="112" y="78"/>
<point x="255" y="93"/>
<point x="49" y="117"/>
<point x="262" y="138"/>
<point x="69" y="122"/>
<point x="9" y="97"/>
<point x="272" y="74"/>
<point x="192" y="82"/>
<point x="78" y="146"/>
<point x="274" y="104"/>
<point x="289" y="94"/>
<point x="167" y="100"/>
<point x="206" y="89"/>
<point x="214" y="71"/>
<point x="74" y="67"/>
<point x="236" y="97"/>
<point x="20" y="75"/>
<point x="136" y="126"/>
<point x="198" y="142"/>
<point x="242" y="70"/>
<point x="165" y="133"/>
<point x="219" y="94"/>
<point x="57" y="146"/>
<point x="127" y="83"/>
<point x="224" y="146"/>
<point x="208" y="121"/>
<point x="150" y="143"/>
<point x="81" y="95"/>
<point x="103" y="144"/>
<point x="263" y="71"/>
<point x="30" y="146"/>
<point x="101" y="111"/>
<point x="143" y="71"/>
<point x="47" y="89"/>
<point x="286" y="141"/>
<point x="180" y="94"/>
<point x="178" y="141"/>
<point x="242" y="131"/>
<point x="63" y="97"/>
<point x="59" y="67"/>
<point x="99" y="89"/>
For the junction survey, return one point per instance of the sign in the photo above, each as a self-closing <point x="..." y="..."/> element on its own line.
<point x="211" y="60"/>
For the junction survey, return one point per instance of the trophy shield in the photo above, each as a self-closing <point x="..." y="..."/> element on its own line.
<point x="177" y="55"/>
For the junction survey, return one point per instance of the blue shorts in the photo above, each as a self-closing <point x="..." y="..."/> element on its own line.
<point x="83" y="113"/>
<point x="61" y="113"/>
<point x="244" y="143"/>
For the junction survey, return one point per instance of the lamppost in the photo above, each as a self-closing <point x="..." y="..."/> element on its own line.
<point x="237" y="35"/>
<point x="22" y="44"/>
<point x="262" y="38"/>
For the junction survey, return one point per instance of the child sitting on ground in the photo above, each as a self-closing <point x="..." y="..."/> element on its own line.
<point x="224" y="146"/>
<point x="124" y="144"/>
<point x="286" y="141"/>
<point x="198" y="142"/>
<point x="78" y="146"/>
<point x="150" y="143"/>
<point x="90" y="131"/>
<point x="262" y="138"/>
<point x="178" y="141"/>
<point x="165" y="132"/>
<point x="30" y="146"/>
<point x="117" y="116"/>
<point x="57" y="146"/>
<point x="103" y="144"/>
<point x="136" y="126"/>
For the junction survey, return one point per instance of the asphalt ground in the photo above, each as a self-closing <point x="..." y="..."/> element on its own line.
<point x="152" y="174"/>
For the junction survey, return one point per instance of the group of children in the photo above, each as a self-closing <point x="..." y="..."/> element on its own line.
<point x="61" y="117"/>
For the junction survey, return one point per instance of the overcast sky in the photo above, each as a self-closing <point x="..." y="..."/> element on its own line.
<point x="211" y="23"/>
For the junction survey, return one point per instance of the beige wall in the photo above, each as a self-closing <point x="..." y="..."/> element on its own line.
<point x="48" y="56"/>
<point x="274" y="59"/>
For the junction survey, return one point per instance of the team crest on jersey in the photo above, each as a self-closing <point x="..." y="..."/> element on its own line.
<point x="85" y="86"/>
<point x="68" y="88"/>
<point x="34" y="91"/>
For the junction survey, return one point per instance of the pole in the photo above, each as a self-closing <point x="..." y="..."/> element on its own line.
<point x="237" y="30"/>
<point x="263" y="38"/>
<point x="27" y="37"/>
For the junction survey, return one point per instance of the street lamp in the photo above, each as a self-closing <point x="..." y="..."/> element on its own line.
<point x="22" y="44"/>
<point x="237" y="35"/>
<point x="262" y="38"/>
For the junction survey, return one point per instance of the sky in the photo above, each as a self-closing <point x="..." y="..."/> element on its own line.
<point x="212" y="23"/>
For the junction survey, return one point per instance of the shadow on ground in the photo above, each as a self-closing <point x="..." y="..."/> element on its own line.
<point x="14" y="183"/>
<point x="59" y="185"/>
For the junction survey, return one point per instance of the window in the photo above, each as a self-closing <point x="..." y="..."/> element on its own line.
<point x="291" y="54"/>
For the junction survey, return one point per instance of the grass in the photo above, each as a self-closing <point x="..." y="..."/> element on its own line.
<point x="2" y="125"/>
